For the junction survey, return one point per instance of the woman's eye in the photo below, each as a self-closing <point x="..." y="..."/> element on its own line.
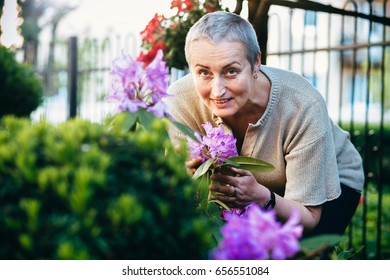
<point x="231" y="72"/>
<point x="203" y="73"/>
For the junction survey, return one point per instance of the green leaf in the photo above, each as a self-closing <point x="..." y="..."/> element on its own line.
<point x="203" y="189"/>
<point x="146" y="118"/>
<point x="129" y="120"/>
<point x="125" y="121"/>
<point x="316" y="242"/>
<point x="220" y="203"/>
<point x="345" y="255"/>
<point x="213" y="211"/>
<point x="186" y="130"/>
<point x="229" y="162"/>
<point x="203" y="168"/>
<point x="252" y="164"/>
<point x="214" y="217"/>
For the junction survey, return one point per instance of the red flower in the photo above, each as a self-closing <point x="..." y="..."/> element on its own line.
<point x="153" y="28"/>
<point x="148" y="57"/>
<point x="183" y="5"/>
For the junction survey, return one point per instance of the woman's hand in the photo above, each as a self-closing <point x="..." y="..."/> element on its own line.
<point x="239" y="189"/>
<point x="193" y="164"/>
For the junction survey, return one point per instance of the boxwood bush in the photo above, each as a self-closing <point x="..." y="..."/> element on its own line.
<point x="80" y="190"/>
<point x="21" y="91"/>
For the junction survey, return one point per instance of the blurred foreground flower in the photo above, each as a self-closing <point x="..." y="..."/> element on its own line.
<point x="136" y="86"/>
<point x="257" y="235"/>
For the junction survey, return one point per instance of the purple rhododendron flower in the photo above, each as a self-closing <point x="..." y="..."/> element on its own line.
<point x="136" y="87"/>
<point x="235" y="211"/>
<point x="255" y="234"/>
<point x="215" y="144"/>
<point x="289" y="235"/>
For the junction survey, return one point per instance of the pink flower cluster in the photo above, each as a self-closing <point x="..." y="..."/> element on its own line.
<point x="136" y="86"/>
<point x="215" y="144"/>
<point x="257" y="235"/>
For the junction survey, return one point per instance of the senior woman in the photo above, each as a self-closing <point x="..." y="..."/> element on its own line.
<point x="276" y="116"/>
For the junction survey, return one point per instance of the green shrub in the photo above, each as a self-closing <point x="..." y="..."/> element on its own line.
<point x="81" y="190"/>
<point x="20" y="89"/>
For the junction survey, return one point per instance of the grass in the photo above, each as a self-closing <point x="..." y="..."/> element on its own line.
<point x="364" y="227"/>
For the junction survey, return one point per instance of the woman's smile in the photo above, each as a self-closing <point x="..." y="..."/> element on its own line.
<point x="220" y="101"/>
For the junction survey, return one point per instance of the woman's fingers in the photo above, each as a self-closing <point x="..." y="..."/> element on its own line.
<point x="225" y="179"/>
<point x="227" y="190"/>
<point x="193" y="164"/>
<point x="240" y="172"/>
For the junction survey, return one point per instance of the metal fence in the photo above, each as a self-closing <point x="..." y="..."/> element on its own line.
<point x="78" y="80"/>
<point x="345" y="52"/>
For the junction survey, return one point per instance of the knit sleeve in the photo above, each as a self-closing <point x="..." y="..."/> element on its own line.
<point x="312" y="174"/>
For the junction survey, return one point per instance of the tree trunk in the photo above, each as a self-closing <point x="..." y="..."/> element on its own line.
<point x="258" y="17"/>
<point x="1" y="13"/>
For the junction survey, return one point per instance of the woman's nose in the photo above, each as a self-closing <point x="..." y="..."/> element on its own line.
<point x="218" y="88"/>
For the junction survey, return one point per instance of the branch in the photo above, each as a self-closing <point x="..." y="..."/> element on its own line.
<point x="318" y="7"/>
<point x="238" y="8"/>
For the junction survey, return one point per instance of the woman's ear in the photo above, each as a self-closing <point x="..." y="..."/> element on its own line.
<point x="258" y="61"/>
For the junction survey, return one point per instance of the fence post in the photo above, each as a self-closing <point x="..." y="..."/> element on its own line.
<point x="72" y="77"/>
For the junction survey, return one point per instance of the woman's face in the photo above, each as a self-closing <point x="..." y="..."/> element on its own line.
<point x="223" y="76"/>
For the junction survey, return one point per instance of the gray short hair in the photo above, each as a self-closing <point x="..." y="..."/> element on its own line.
<point x="222" y="26"/>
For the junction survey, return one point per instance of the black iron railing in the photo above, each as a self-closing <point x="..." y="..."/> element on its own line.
<point x="345" y="52"/>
